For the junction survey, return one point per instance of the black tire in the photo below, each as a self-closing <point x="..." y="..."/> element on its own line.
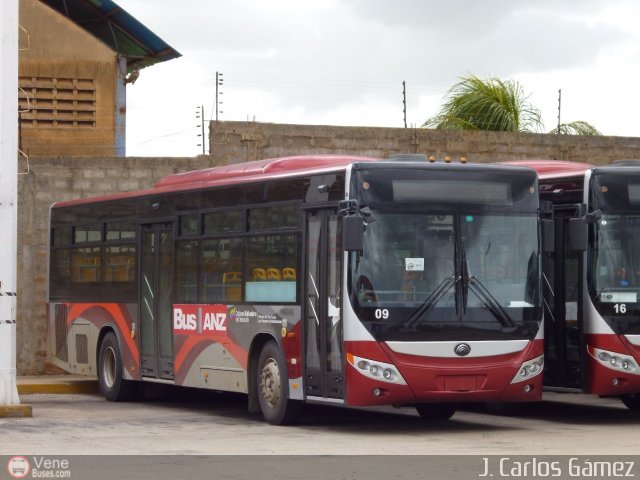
<point x="272" y="386"/>
<point x="112" y="385"/>
<point x="632" y="402"/>
<point x="436" y="411"/>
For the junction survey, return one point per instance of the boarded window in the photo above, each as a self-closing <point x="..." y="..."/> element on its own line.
<point x="57" y="102"/>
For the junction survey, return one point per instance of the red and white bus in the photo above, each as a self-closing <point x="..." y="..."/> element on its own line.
<point x="592" y="311"/>
<point x="332" y="279"/>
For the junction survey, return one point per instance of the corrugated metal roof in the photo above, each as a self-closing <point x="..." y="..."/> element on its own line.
<point x="112" y="25"/>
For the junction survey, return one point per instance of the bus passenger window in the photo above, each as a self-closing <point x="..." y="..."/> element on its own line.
<point x="119" y="264"/>
<point x="85" y="265"/>
<point x="222" y="268"/>
<point x="269" y="257"/>
<point x="187" y="272"/>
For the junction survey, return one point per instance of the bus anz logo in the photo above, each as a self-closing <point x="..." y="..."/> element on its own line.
<point x="199" y="318"/>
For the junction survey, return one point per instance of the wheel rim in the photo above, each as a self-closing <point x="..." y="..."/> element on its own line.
<point x="109" y="366"/>
<point x="270" y="382"/>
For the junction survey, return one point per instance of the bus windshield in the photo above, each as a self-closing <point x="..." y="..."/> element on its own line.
<point x="615" y="271"/>
<point x="443" y="273"/>
<point x="614" y="254"/>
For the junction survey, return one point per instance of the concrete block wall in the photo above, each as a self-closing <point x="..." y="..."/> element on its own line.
<point x="232" y="142"/>
<point x="48" y="179"/>
<point x="43" y="181"/>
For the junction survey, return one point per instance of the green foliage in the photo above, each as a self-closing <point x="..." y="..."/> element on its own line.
<point x="494" y="105"/>
<point x="578" y="127"/>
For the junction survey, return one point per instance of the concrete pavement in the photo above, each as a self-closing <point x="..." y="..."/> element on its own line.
<point x="47" y="384"/>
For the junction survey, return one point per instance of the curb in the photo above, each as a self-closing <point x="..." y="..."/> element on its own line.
<point x="42" y="385"/>
<point x="16" y="411"/>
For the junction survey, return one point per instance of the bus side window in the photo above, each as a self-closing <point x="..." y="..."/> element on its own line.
<point x="268" y="257"/>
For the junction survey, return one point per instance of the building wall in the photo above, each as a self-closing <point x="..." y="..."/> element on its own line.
<point x="233" y="142"/>
<point x="67" y="82"/>
<point x="48" y="179"/>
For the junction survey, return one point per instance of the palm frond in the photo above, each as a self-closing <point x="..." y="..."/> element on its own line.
<point x="491" y="104"/>
<point x="579" y="127"/>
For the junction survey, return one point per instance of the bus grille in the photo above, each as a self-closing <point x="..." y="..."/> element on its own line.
<point x="82" y="349"/>
<point x="62" y="351"/>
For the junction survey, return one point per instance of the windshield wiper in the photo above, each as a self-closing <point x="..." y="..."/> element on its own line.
<point x="443" y="287"/>
<point x="489" y="301"/>
<point x="465" y="281"/>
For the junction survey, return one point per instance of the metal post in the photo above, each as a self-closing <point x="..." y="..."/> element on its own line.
<point x="8" y="199"/>
<point x="404" y="102"/>
<point x="559" y="109"/>
<point x="219" y="83"/>
<point x="202" y="126"/>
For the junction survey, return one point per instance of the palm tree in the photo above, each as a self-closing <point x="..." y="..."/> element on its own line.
<point x="495" y="105"/>
<point x="491" y="104"/>
<point x="578" y="127"/>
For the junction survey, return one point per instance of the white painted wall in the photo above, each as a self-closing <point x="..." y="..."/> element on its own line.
<point x="8" y="198"/>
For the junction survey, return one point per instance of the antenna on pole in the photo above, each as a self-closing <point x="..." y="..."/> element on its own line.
<point x="200" y="116"/>
<point x="559" y="107"/>
<point x="219" y="83"/>
<point x="404" y="102"/>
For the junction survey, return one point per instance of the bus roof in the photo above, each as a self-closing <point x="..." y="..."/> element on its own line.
<point x="272" y="168"/>
<point x="552" y="168"/>
<point x="260" y="170"/>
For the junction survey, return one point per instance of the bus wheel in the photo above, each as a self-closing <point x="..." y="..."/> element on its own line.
<point x="112" y="386"/>
<point x="273" y="387"/>
<point x="436" y="411"/>
<point x="632" y="402"/>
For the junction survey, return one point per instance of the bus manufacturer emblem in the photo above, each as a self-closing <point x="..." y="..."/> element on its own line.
<point x="462" y="349"/>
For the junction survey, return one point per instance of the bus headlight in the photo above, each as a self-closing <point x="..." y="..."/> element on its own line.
<point x="529" y="369"/>
<point x="616" y="361"/>
<point x="376" y="370"/>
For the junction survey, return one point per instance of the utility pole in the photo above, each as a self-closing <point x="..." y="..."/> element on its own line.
<point x="559" y="107"/>
<point x="219" y="82"/>
<point x="9" y="400"/>
<point x="404" y="102"/>
<point x="200" y="116"/>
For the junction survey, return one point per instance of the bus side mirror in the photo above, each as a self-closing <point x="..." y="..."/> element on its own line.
<point x="577" y="234"/>
<point x="353" y="233"/>
<point x="548" y="232"/>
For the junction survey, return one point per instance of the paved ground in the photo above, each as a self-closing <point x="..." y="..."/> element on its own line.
<point x="173" y="433"/>
<point x="175" y="421"/>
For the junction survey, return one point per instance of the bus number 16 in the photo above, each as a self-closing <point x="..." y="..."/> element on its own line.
<point x="620" y="307"/>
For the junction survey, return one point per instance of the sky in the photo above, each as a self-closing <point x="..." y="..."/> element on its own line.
<point x="343" y="62"/>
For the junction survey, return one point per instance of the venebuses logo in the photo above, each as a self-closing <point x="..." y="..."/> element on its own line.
<point x="18" y="467"/>
<point x="39" y="467"/>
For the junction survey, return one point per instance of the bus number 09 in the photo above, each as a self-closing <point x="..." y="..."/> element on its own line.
<point x="382" y="314"/>
<point x="620" y="307"/>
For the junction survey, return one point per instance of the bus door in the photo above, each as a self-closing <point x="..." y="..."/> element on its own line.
<point x="563" y="316"/>
<point x="156" y="274"/>
<point x="322" y="313"/>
